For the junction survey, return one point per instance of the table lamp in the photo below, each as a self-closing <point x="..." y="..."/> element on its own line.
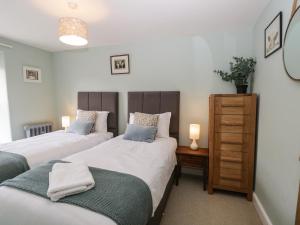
<point x="194" y="135"/>
<point x="65" y="122"/>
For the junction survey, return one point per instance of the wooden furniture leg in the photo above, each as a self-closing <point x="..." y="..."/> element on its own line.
<point x="178" y="174"/>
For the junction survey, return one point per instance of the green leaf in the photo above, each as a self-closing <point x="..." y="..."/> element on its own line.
<point x="240" y="70"/>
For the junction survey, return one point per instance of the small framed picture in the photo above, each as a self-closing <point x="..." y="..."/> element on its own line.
<point x="32" y="74"/>
<point x="119" y="64"/>
<point x="273" y="36"/>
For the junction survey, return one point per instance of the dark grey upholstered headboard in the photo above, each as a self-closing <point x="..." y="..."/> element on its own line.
<point x="102" y="101"/>
<point x="157" y="102"/>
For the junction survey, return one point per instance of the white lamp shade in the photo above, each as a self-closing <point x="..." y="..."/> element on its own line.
<point x="72" y="31"/>
<point x="194" y="131"/>
<point x="65" y="121"/>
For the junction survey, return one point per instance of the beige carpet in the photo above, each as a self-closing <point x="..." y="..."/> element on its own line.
<point x="188" y="204"/>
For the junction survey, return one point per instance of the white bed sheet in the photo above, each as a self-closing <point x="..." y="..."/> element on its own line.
<point x="152" y="162"/>
<point x="54" y="145"/>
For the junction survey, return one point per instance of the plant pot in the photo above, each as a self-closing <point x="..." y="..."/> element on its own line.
<point x="241" y="89"/>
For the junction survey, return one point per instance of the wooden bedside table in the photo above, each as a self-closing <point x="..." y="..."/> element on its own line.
<point x="195" y="159"/>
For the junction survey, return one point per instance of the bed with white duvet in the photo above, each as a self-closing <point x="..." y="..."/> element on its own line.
<point x="152" y="162"/>
<point x="54" y="145"/>
<point x="89" y="129"/>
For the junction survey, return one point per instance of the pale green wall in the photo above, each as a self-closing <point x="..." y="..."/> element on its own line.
<point x="278" y="168"/>
<point x="28" y="102"/>
<point x="185" y="64"/>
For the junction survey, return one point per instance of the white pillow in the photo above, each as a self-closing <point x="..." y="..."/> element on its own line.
<point x="101" y="121"/>
<point x="163" y="124"/>
<point x="131" y="118"/>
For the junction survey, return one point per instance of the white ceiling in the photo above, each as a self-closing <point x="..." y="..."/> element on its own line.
<point x="35" y="22"/>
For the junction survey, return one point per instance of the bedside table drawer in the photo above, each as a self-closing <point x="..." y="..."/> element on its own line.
<point x="191" y="161"/>
<point x="196" y="165"/>
<point x="190" y="158"/>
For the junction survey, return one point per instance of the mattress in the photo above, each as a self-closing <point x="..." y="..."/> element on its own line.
<point x="54" y="145"/>
<point x="152" y="162"/>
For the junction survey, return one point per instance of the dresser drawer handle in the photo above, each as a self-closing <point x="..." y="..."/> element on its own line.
<point x="231" y="178"/>
<point x="230" y="159"/>
<point x="232" y="105"/>
<point x="232" y="124"/>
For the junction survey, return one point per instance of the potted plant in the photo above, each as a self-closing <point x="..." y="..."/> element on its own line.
<point x="240" y="69"/>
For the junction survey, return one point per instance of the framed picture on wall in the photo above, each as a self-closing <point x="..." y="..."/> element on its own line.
<point x="119" y="64"/>
<point x="273" y="36"/>
<point x="32" y="74"/>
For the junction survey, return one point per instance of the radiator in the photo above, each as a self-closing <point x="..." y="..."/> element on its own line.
<point x="32" y="130"/>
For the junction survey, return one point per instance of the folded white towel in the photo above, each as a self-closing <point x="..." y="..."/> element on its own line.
<point x="68" y="179"/>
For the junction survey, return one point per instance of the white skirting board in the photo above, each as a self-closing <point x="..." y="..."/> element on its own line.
<point x="261" y="211"/>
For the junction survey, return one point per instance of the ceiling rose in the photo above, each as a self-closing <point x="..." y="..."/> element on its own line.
<point x="72" y="31"/>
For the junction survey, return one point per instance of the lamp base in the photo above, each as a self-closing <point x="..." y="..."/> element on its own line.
<point x="194" y="145"/>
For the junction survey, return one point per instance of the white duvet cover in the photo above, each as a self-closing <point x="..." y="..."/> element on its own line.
<point x="54" y="145"/>
<point x="152" y="162"/>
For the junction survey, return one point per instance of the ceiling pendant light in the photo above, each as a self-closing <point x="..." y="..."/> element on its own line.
<point x="72" y="31"/>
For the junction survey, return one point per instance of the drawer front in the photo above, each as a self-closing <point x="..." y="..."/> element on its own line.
<point x="230" y="178"/>
<point x="231" y="138"/>
<point x="233" y="105"/>
<point x="191" y="161"/>
<point x="230" y="147"/>
<point x="231" y="160"/>
<point x="232" y="123"/>
<point x="230" y="165"/>
<point x="232" y="142"/>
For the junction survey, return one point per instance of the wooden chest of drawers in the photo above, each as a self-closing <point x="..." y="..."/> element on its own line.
<point x="232" y="127"/>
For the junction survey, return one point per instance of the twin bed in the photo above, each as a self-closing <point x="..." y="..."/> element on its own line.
<point x="154" y="163"/>
<point x="34" y="151"/>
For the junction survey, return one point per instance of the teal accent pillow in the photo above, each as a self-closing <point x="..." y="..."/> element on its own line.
<point x="140" y="133"/>
<point x="80" y="127"/>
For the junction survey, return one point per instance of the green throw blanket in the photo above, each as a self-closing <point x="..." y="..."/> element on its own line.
<point x="11" y="165"/>
<point x="124" y="198"/>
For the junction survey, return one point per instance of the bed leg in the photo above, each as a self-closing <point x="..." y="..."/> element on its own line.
<point x="177" y="174"/>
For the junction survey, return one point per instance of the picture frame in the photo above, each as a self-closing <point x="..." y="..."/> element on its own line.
<point x="273" y="36"/>
<point x="32" y="74"/>
<point x="119" y="64"/>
